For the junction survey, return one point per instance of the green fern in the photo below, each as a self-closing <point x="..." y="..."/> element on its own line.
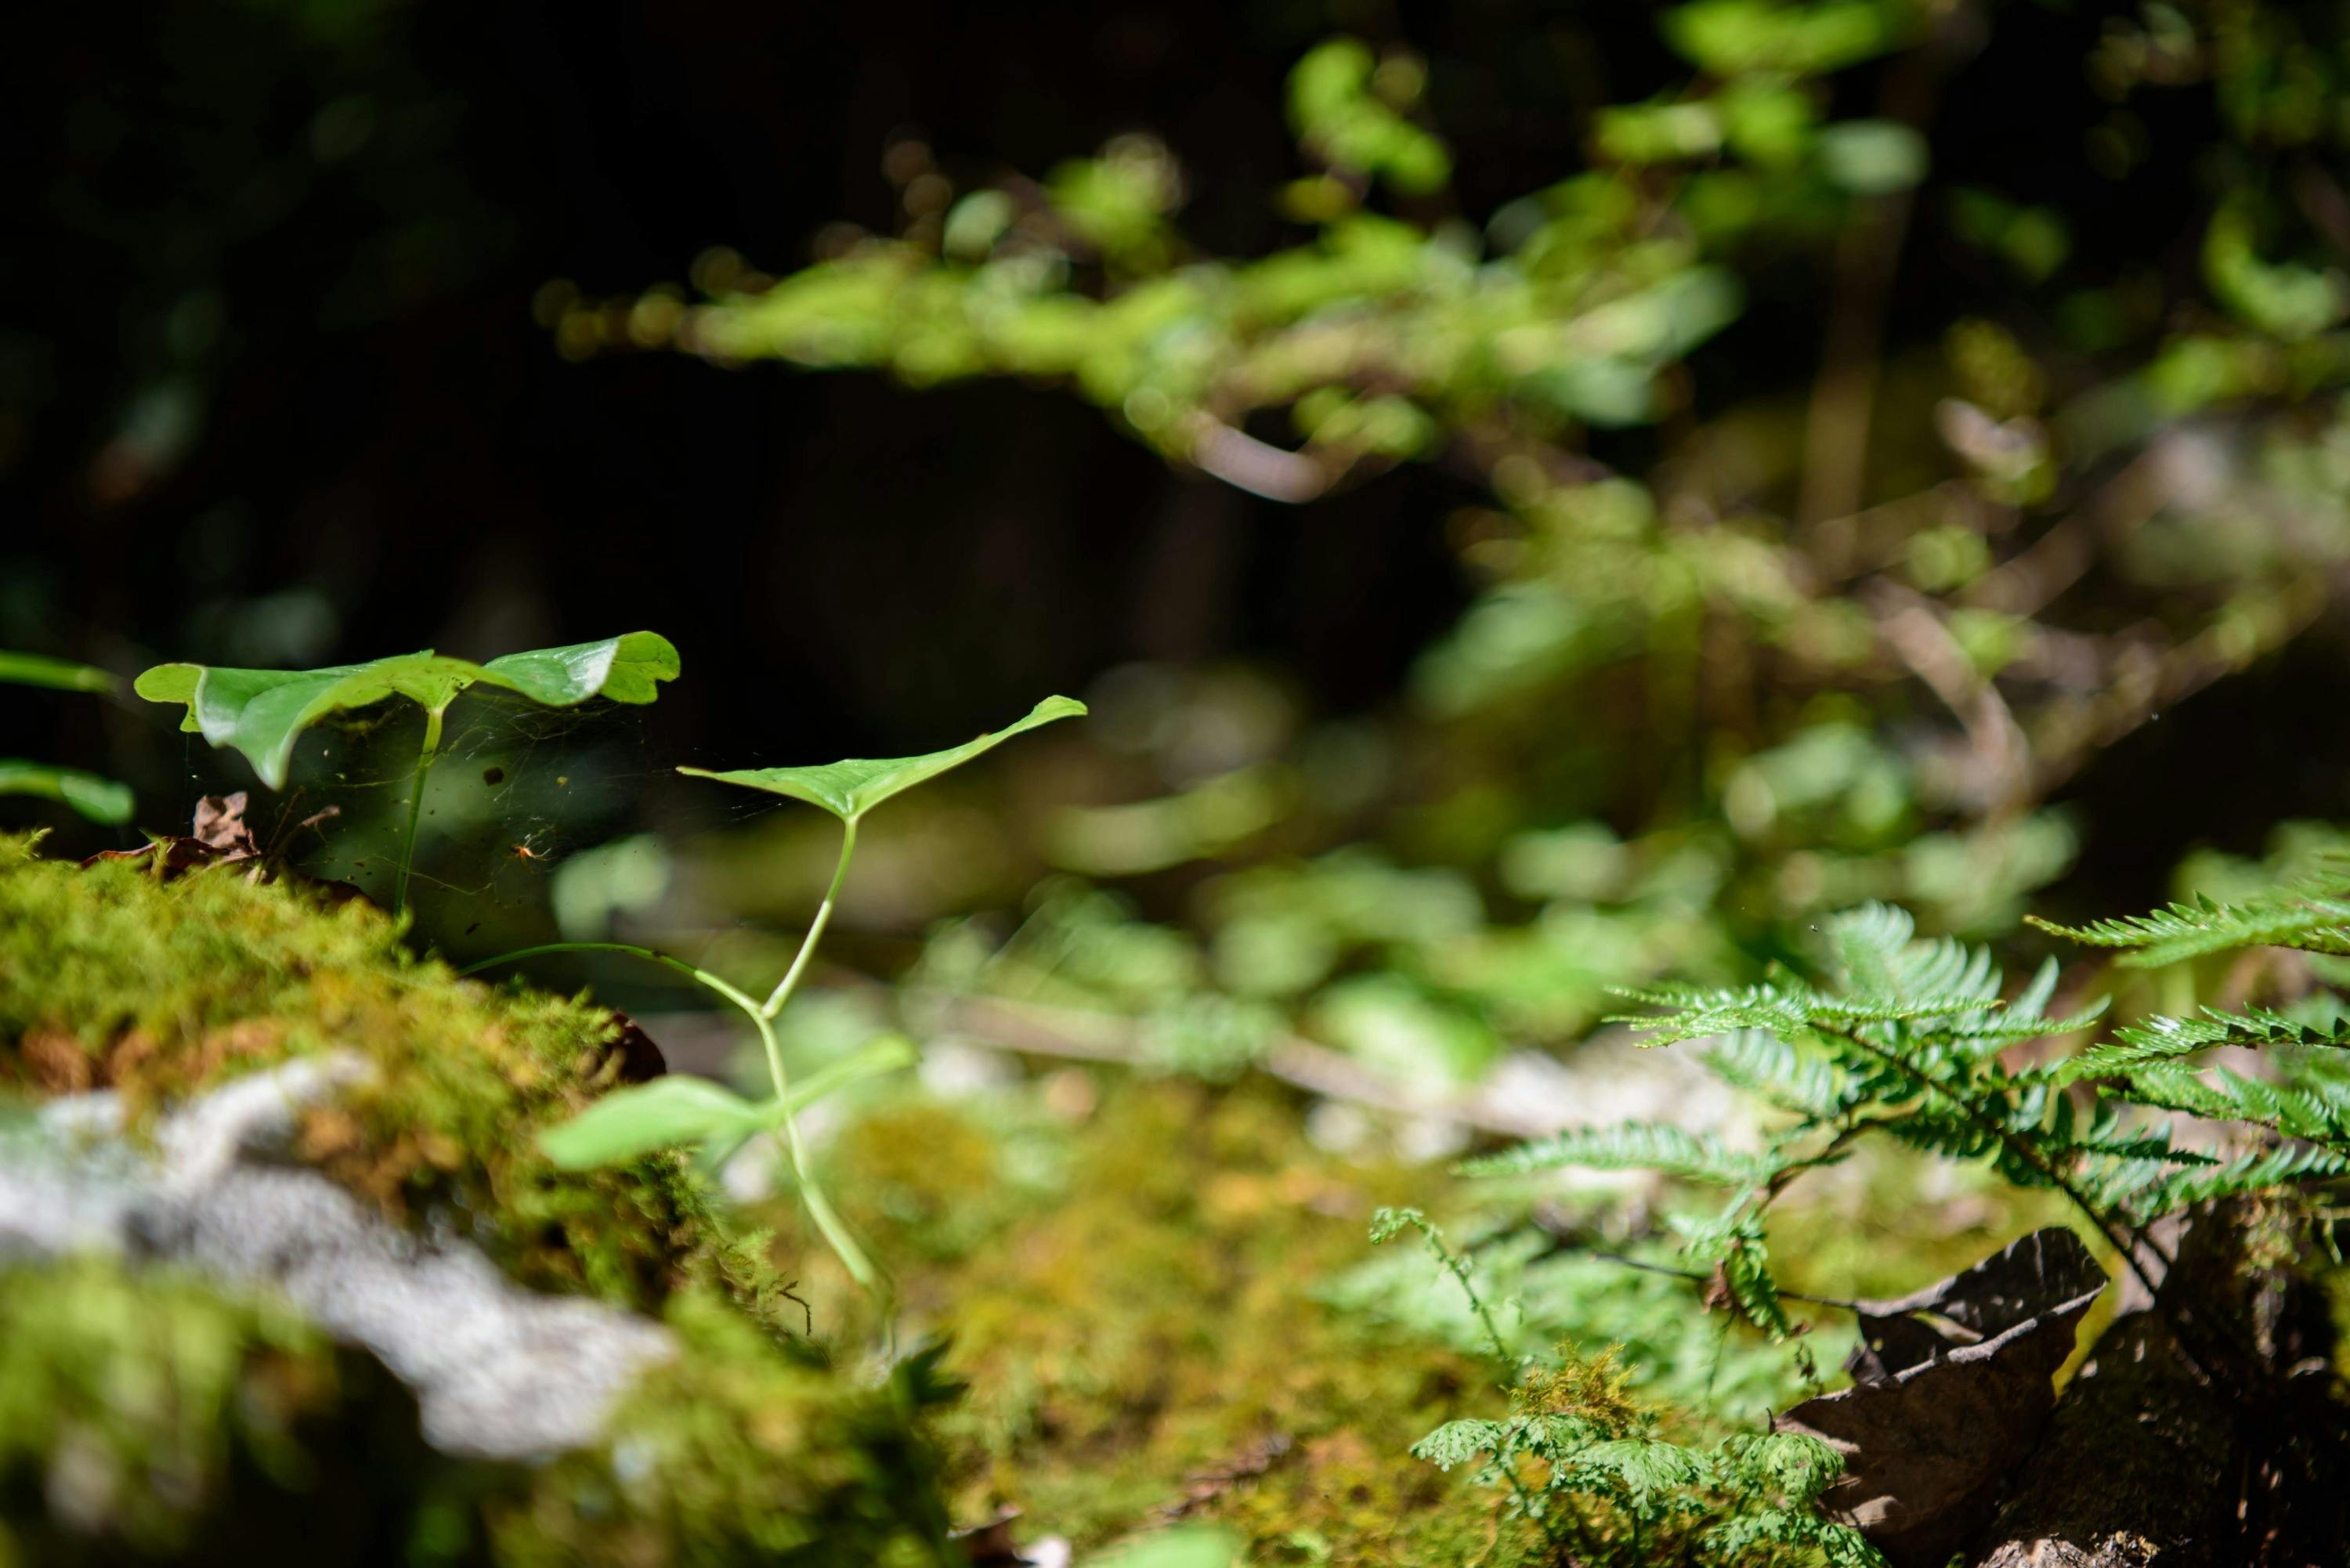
<point x="2309" y="911"/>
<point x="1614" y="1488"/>
<point x="1906" y="1039"/>
<point x="1632" y="1146"/>
<point x="2166" y="1039"/>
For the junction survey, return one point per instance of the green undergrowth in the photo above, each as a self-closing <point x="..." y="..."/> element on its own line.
<point x="111" y="978"/>
<point x="1134" y="1314"/>
<point x="147" y="1417"/>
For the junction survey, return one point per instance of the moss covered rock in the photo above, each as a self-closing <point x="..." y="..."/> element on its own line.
<point x="110" y="977"/>
<point x="150" y="1417"/>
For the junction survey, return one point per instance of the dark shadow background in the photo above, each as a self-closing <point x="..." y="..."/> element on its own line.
<point x="271" y="390"/>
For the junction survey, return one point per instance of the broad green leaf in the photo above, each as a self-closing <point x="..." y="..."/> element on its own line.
<point x="646" y="1117"/>
<point x="60" y="674"/>
<point x="855" y="785"/>
<point x="261" y="712"/>
<point x="101" y="800"/>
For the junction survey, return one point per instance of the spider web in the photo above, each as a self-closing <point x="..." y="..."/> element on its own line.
<point x="513" y="790"/>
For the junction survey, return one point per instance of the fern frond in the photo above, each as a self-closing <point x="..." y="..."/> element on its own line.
<point x="1937" y="1127"/>
<point x="1793" y="1467"/>
<point x="1876" y="953"/>
<point x="1642" y="1471"/>
<point x="1782" y="1010"/>
<point x="2033" y="1000"/>
<point x="1461" y="1442"/>
<point x="2319" y="1112"/>
<point x="1746" y="1270"/>
<point x="1631" y="1145"/>
<point x="1742" y="1537"/>
<point x="1783" y="1072"/>
<point x="2152" y="1145"/>
<point x="2165" y="1039"/>
<point x="2003" y="1028"/>
<point x="2245" y="1174"/>
<point x="2310" y="914"/>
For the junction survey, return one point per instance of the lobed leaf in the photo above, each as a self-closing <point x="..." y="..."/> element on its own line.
<point x="855" y="785"/>
<point x="261" y="712"/>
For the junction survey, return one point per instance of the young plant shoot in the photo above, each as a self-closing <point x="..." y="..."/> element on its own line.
<point x="100" y="799"/>
<point x="261" y="712"/>
<point x="673" y="1111"/>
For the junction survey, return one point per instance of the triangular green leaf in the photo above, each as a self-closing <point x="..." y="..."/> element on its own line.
<point x="261" y="712"/>
<point x="101" y="800"/>
<point x="640" y="1120"/>
<point x="855" y="785"/>
<point x="60" y="674"/>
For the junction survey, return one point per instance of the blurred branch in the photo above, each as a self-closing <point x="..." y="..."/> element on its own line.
<point x="1035" y="1029"/>
<point x="1836" y="430"/>
<point x="1247" y="463"/>
<point x="1910" y="627"/>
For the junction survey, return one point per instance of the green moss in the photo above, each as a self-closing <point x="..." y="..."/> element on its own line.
<point x="148" y="1414"/>
<point x="109" y="976"/>
<point x="1143" y="1343"/>
<point x="741" y="1452"/>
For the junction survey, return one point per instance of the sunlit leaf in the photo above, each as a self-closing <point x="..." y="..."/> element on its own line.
<point x="639" y="1120"/>
<point x="98" y="799"/>
<point x="261" y="712"/>
<point x="60" y="674"/>
<point x="855" y="785"/>
<point x="669" y="1111"/>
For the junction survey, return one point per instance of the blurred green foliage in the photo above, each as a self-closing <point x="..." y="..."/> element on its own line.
<point x="1754" y="639"/>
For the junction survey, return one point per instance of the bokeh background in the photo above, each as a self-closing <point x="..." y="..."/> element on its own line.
<point x="282" y="382"/>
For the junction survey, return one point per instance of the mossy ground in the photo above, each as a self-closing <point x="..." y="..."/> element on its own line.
<point x="1130" y="1274"/>
<point x="1133" y="1310"/>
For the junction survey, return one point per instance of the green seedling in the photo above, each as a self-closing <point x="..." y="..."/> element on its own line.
<point x="674" y="1112"/>
<point x="100" y="799"/>
<point x="261" y="712"/>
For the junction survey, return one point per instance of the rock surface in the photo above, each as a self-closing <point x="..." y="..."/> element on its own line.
<point x="498" y="1371"/>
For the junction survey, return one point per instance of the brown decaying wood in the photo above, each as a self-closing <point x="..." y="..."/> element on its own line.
<point x="2146" y="1463"/>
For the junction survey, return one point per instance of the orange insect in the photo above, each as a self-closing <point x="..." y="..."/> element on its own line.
<point x="524" y="852"/>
